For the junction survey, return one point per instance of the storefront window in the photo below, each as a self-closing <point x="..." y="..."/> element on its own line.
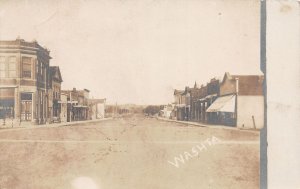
<point x="7" y="103"/>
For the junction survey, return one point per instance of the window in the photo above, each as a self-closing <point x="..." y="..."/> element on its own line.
<point x="12" y="67"/>
<point x="2" y="66"/>
<point x="26" y="67"/>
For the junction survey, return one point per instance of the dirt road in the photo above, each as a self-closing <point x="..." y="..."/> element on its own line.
<point x="129" y="153"/>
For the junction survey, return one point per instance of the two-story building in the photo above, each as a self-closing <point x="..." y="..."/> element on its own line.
<point x="24" y="81"/>
<point x="202" y="104"/>
<point x="194" y="96"/>
<point x="213" y="91"/>
<point x="54" y="93"/>
<point x="186" y="109"/>
<point x="179" y="104"/>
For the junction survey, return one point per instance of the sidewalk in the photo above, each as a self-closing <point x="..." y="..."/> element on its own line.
<point x="25" y="125"/>
<point x="191" y="123"/>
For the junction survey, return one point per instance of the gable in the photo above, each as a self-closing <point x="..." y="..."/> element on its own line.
<point x="55" y="74"/>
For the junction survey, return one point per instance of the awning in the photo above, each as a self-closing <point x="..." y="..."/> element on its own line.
<point x="223" y="104"/>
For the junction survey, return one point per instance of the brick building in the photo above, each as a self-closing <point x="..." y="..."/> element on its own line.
<point x="24" y="81"/>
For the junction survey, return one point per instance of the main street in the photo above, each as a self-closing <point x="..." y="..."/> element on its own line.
<point x="129" y="152"/>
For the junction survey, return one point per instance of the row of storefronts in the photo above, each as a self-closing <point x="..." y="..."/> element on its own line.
<point x="30" y="89"/>
<point x="234" y="100"/>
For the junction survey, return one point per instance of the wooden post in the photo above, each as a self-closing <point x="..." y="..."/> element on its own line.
<point x="253" y="122"/>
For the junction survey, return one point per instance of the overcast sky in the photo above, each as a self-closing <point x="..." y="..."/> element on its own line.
<point x="138" y="51"/>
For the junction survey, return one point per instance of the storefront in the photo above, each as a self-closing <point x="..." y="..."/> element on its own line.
<point x="80" y="112"/>
<point x="7" y="103"/>
<point x="223" y="110"/>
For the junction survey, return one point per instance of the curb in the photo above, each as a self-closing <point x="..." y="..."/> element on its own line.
<point x="54" y="125"/>
<point x="208" y="126"/>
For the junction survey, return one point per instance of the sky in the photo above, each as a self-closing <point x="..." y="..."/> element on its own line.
<point x="139" y="51"/>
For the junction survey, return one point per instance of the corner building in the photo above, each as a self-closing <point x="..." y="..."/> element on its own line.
<point x="24" y="81"/>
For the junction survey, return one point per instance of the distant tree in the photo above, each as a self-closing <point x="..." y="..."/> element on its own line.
<point x="152" y="110"/>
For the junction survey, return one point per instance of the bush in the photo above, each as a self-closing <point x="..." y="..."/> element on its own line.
<point x="152" y="110"/>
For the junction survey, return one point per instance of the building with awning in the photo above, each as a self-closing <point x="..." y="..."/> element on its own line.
<point x="77" y="104"/>
<point x="222" y="110"/>
<point x="202" y="98"/>
<point x="241" y="101"/>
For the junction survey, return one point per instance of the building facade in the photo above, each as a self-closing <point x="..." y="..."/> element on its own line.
<point x="178" y="103"/>
<point x="195" y="96"/>
<point x="234" y="100"/>
<point x="182" y="104"/>
<point x="24" y="81"/>
<point x="96" y="108"/>
<point x="77" y="104"/>
<point x="63" y="107"/>
<point x="166" y="112"/>
<point x="201" y="104"/>
<point x="241" y="101"/>
<point x="213" y="91"/>
<point x="54" y="93"/>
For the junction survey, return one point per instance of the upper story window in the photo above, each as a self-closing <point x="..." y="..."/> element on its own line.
<point x="41" y="71"/>
<point x="8" y="66"/>
<point x="12" y="66"/>
<point x="27" y="68"/>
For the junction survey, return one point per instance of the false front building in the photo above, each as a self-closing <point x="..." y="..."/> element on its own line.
<point x="54" y="93"/>
<point x="77" y="104"/>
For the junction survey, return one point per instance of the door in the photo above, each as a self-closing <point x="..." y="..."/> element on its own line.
<point x="26" y="106"/>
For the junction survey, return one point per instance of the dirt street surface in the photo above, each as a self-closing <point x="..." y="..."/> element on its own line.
<point x="129" y="153"/>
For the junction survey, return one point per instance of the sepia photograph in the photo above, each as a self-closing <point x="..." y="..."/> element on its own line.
<point x="146" y="94"/>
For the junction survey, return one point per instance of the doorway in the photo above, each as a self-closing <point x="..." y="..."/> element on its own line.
<point x="26" y="106"/>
